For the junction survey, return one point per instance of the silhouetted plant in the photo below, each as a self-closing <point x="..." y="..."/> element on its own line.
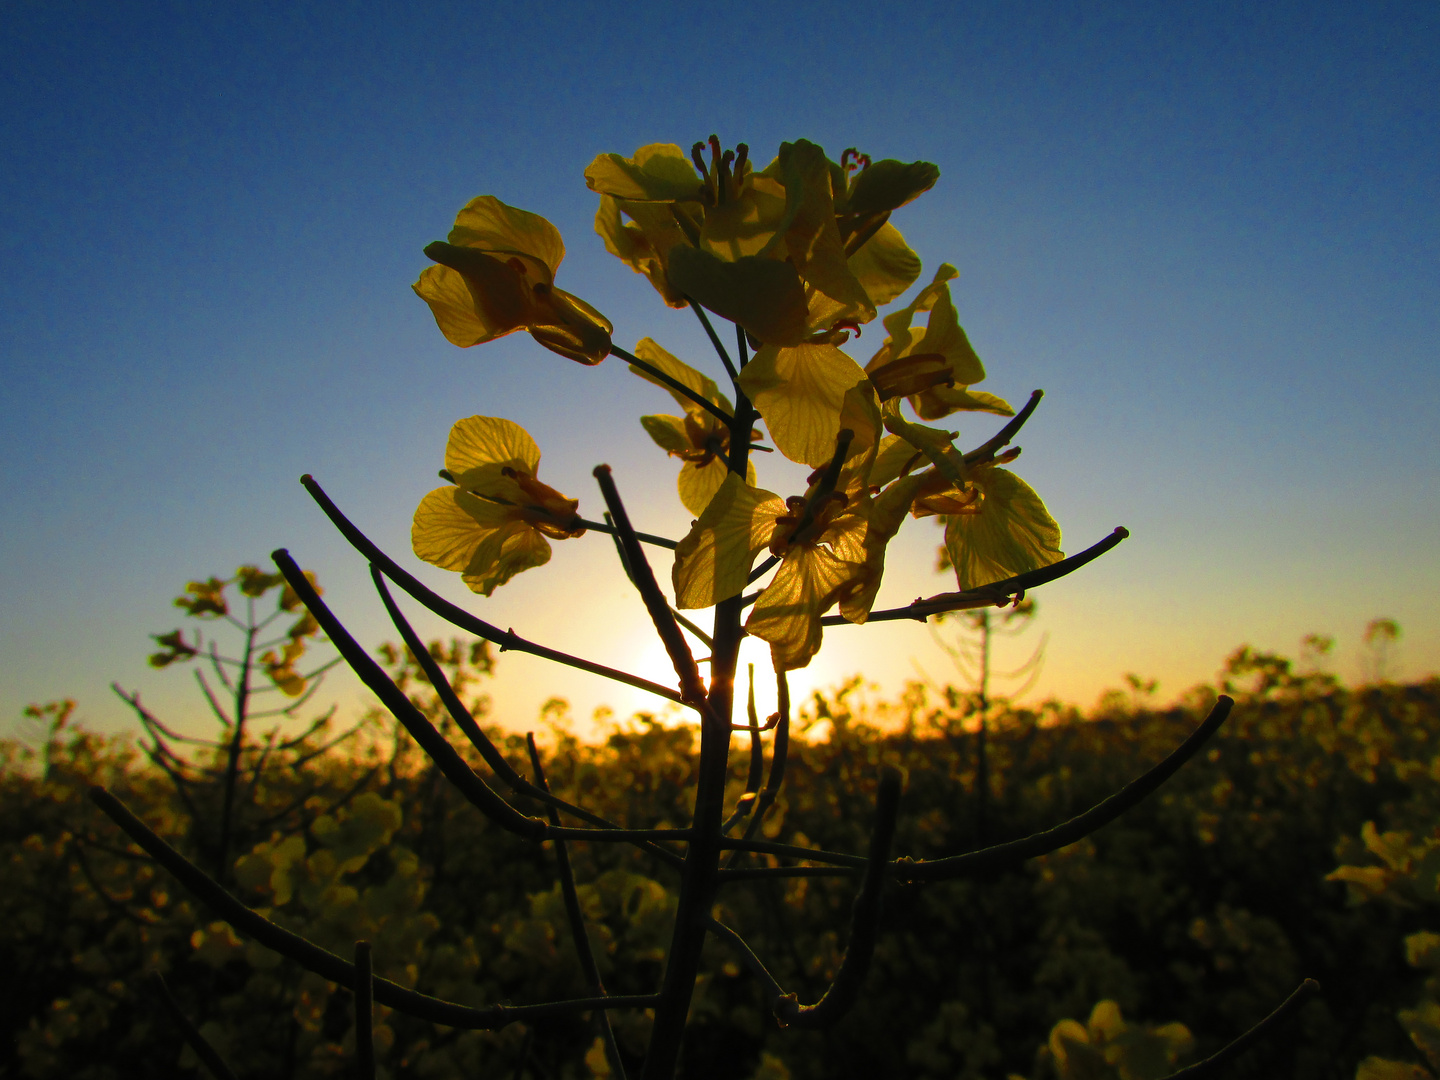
<point x="797" y="256"/>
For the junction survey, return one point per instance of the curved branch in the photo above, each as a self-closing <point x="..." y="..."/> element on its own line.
<point x="692" y="689"/>
<point x="455" y="768"/>
<point x="327" y="964"/>
<point x="997" y="594"/>
<point x="364" y="987"/>
<point x="986" y="451"/>
<point x="466" y="723"/>
<point x="673" y="384"/>
<point x="576" y="916"/>
<point x="198" y="1043"/>
<point x="458" y="616"/>
<point x="864" y="921"/>
<point x="1210" y="1066"/>
<point x="778" y="756"/>
<point x="403" y="709"/>
<point x="995" y="858"/>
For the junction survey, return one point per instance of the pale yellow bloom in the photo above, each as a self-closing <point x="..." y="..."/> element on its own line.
<point x="494" y="521"/>
<point x="496" y="275"/>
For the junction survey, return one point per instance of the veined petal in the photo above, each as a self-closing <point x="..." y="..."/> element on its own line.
<point x="668" y="432"/>
<point x="698" y="484"/>
<point x="445" y="532"/>
<point x="646" y="349"/>
<point x="502" y="554"/>
<point x="659" y="172"/>
<point x="787" y="614"/>
<point x="885" y="266"/>
<point x="453" y="306"/>
<point x="895" y="458"/>
<point x="745" y="226"/>
<point x="1010" y="532"/>
<point x="491" y="225"/>
<point x="714" y="559"/>
<point x="479" y="447"/>
<point x="887" y="514"/>
<point x="897" y="323"/>
<point x="643" y="245"/>
<point x="501" y="288"/>
<point x="764" y="296"/>
<point x="799" y="392"/>
<point x="944" y="335"/>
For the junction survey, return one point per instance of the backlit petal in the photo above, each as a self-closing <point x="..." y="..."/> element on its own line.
<point x="1010" y="533"/>
<point x="714" y="559"/>
<point x="764" y="296"/>
<point x="660" y="172"/>
<point x="491" y="225"/>
<point x="799" y="392"/>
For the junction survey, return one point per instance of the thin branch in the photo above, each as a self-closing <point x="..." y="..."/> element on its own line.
<point x="791" y="851"/>
<point x="692" y="688"/>
<point x="746" y="802"/>
<point x="864" y="920"/>
<point x="506" y="639"/>
<point x="778" y="756"/>
<point x="1211" y="1065"/>
<point x="773" y="991"/>
<point x="466" y="723"/>
<point x="456" y="770"/>
<point x="997" y="594"/>
<point x="220" y="713"/>
<point x="644" y="538"/>
<point x="715" y="340"/>
<point x="578" y="934"/>
<point x="988" y="860"/>
<point x="674" y="384"/>
<point x="740" y="346"/>
<point x="625" y="565"/>
<point x="986" y="451"/>
<point x="198" y="1043"/>
<point x="364" y="987"/>
<point x="327" y="964"/>
<point x="147" y="717"/>
<point x="764" y="568"/>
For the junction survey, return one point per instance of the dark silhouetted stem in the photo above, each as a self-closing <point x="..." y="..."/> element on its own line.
<point x="326" y="964"/>
<point x="198" y="1043"/>
<point x="997" y="594"/>
<point x="1201" y="1070"/>
<point x="578" y="934"/>
<point x="1077" y="828"/>
<point x="364" y="1012"/>
<point x="674" y="384"/>
<point x="715" y="340"/>
<point x="466" y="723"/>
<point x="692" y="689"/>
<point x="644" y="538"/>
<point x="986" y="451"/>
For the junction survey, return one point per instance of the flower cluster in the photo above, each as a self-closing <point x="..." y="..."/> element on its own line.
<point x="799" y="255"/>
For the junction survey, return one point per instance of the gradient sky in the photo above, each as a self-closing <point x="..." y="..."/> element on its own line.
<point x="1207" y="230"/>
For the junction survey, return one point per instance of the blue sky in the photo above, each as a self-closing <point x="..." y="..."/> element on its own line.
<point x="1208" y="231"/>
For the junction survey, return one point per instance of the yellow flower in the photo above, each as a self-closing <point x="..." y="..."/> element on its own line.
<point x="699" y="438"/>
<point x="493" y="522"/>
<point x="820" y="539"/>
<point x="786" y="253"/>
<point x="496" y="275"/>
<point x="934" y="365"/>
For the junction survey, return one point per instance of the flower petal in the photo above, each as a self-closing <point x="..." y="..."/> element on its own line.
<point x="1010" y="533"/>
<point x="504" y="553"/>
<point x="764" y="296"/>
<point x="659" y="172"/>
<point x="646" y="349"/>
<point x="644" y="243"/>
<point x="799" y="392"/>
<point x="481" y="446"/>
<point x="714" y="559"/>
<point x="453" y="306"/>
<point x="491" y="225"/>
<point x="889" y="185"/>
<point x="787" y="614"/>
<point x="699" y="483"/>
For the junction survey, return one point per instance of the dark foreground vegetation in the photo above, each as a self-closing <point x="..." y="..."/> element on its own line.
<point x="1203" y="907"/>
